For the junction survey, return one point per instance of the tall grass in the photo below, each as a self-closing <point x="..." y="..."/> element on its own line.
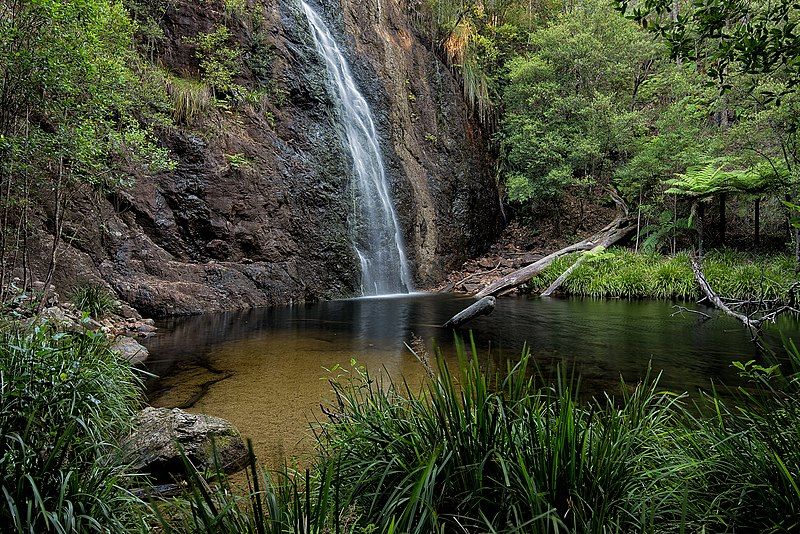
<point x="190" y="98"/>
<point x="479" y="450"/>
<point x="624" y="274"/>
<point x="65" y="399"/>
<point x="499" y="451"/>
<point x="747" y="453"/>
<point x="94" y="299"/>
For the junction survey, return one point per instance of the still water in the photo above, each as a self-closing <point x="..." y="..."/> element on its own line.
<point x="264" y="369"/>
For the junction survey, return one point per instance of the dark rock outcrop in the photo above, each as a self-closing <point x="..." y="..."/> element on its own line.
<point x="256" y="212"/>
<point x="160" y="434"/>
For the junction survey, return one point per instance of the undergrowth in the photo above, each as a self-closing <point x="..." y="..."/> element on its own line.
<point x="94" y="299"/>
<point x="503" y="450"/>
<point x="619" y="273"/>
<point x="65" y="400"/>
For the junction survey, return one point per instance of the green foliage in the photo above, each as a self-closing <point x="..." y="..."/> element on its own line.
<point x="480" y="450"/>
<point x="220" y="60"/>
<point x="238" y="161"/>
<point x="65" y="399"/>
<point x="713" y="178"/>
<point x="668" y="227"/>
<point x="743" y="37"/>
<point x="190" y="98"/>
<point x="94" y="299"/>
<point x="89" y="105"/>
<point x="568" y="113"/>
<point x="286" y="502"/>
<point x="624" y="274"/>
<point x="747" y="452"/>
<point x="477" y="38"/>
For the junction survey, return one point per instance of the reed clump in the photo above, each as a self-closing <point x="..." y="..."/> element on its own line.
<point x="620" y="273"/>
<point x="65" y="401"/>
<point x="504" y="450"/>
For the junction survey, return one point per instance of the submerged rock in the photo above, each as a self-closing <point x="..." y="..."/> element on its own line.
<point x="161" y="433"/>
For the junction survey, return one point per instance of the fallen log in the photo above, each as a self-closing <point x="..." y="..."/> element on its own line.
<point x="561" y="279"/>
<point x="712" y="296"/>
<point x="485" y="306"/>
<point x="611" y="234"/>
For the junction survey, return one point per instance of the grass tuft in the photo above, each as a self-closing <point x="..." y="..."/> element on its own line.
<point x="65" y="400"/>
<point x="620" y="273"/>
<point x="94" y="299"/>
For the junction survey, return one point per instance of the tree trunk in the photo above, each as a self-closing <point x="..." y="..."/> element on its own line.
<point x="757" y="221"/>
<point x="797" y="250"/>
<point x="618" y="229"/>
<point x="723" y="223"/>
<point x="700" y="212"/>
<point x="714" y="298"/>
<point x="485" y="306"/>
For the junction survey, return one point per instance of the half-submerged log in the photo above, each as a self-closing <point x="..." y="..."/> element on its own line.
<point x="485" y="306"/>
<point x="618" y="229"/>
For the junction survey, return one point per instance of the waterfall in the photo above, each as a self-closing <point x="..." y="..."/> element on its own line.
<point x="376" y="232"/>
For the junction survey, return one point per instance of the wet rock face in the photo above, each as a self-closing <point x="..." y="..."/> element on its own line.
<point x="160" y="434"/>
<point x="216" y="235"/>
<point x="437" y="153"/>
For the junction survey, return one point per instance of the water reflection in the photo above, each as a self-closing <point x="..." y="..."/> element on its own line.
<point x="262" y="369"/>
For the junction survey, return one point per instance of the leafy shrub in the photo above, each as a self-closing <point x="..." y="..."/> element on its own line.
<point x="65" y="399"/>
<point x="94" y="299"/>
<point x="220" y="60"/>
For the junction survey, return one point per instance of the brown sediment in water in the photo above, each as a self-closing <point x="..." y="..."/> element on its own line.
<point x="271" y="386"/>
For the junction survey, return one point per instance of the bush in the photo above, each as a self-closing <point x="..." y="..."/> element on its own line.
<point x="65" y="399"/>
<point x="95" y="300"/>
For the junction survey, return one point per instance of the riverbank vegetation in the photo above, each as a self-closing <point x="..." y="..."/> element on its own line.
<point x="503" y="450"/>
<point x="66" y="399"/>
<point x="694" y="124"/>
<point x="621" y="273"/>
<point x="477" y="448"/>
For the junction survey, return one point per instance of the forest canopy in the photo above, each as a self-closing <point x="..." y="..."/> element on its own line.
<point x="650" y="98"/>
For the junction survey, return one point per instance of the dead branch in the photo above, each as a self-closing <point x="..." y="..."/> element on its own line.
<point x="712" y="296"/>
<point x="612" y="233"/>
<point x="485" y="306"/>
<point x="679" y="310"/>
<point x="563" y="278"/>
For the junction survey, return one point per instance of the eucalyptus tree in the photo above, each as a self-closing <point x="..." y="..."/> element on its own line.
<point x="79" y="111"/>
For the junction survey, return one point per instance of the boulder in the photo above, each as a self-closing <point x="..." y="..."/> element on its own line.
<point x="130" y="349"/>
<point x="59" y="319"/>
<point x="144" y="328"/>
<point x="160" y="434"/>
<point x="128" y="312"/>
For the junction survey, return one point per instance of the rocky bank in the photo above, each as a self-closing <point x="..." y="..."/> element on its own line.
<point x="256" y="211"/>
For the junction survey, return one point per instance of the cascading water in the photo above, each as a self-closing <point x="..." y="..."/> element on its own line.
<point x="376" y="232"/>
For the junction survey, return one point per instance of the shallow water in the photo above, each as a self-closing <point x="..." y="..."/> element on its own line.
<point x="264" y="369"/>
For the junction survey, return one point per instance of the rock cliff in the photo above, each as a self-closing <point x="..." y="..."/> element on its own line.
<point x="255" y="213"/>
